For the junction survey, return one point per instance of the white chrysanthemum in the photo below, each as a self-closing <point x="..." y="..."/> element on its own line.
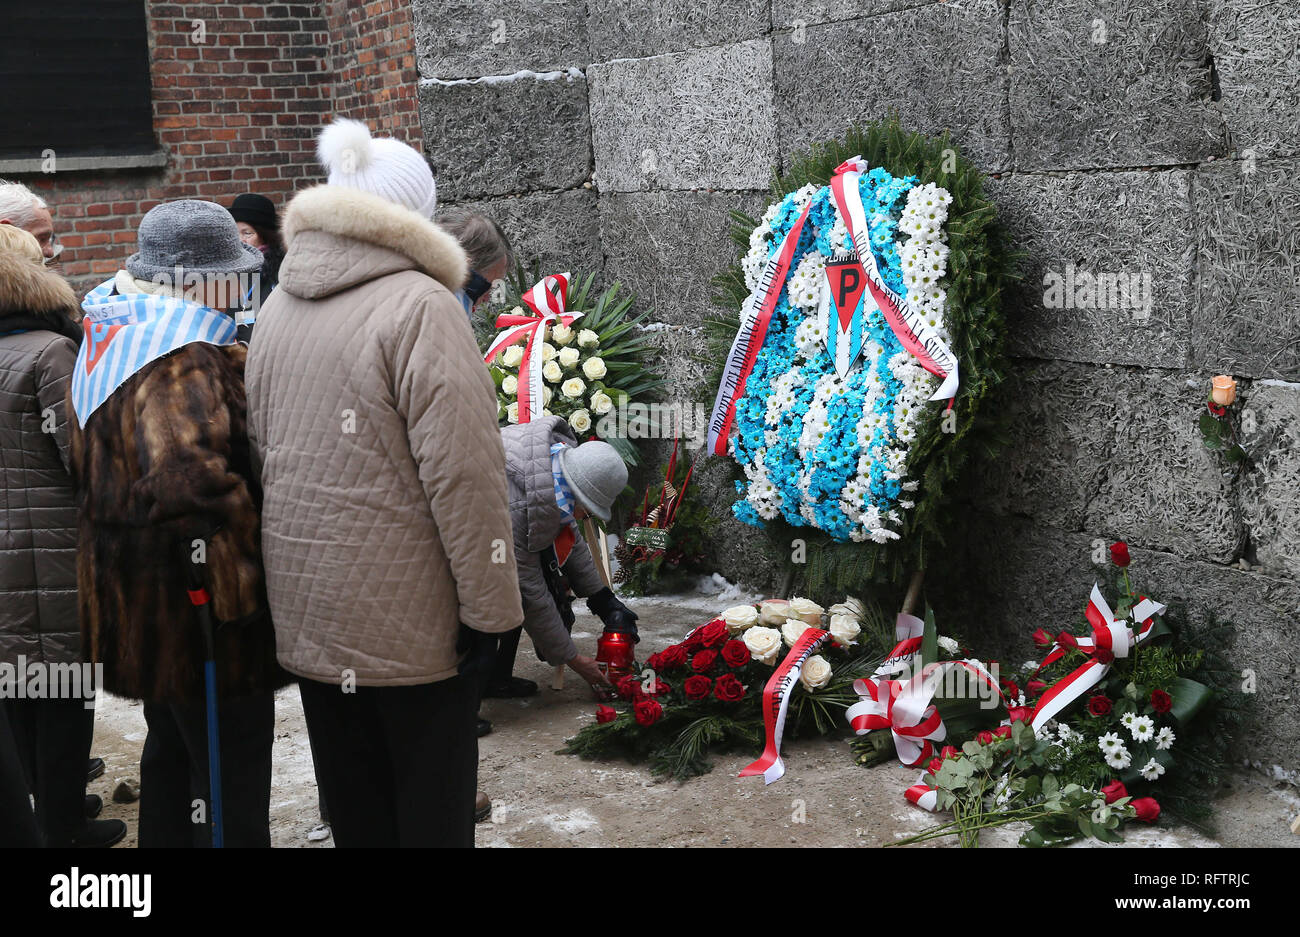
<point x="1119" y="758"/>
<point x="949" y="645"/>
<point x="1165" y="739"/>
<point x="1143" y="729"/>
<point x="1127" y="720"/>
<point x="1152" y="770"/>
<point x="1110" y="742"/>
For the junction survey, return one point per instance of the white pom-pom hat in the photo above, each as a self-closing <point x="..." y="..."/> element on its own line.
<point x="378" y="165"/>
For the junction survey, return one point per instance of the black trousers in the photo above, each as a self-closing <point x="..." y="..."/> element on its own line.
<point x="503" y="667"/>
<point x="18" y="827"/>
<point x="174" y="773"/>
<point x="398" y="766"/>
<point x="53" y="741"/>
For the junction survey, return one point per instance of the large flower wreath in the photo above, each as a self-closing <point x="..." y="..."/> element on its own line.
<point x="834" y="427"/>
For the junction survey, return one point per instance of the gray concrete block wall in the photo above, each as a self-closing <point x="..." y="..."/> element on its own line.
<point x="1124" y="137"/>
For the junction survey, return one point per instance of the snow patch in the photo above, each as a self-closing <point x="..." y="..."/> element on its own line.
<point x="575" y="821"/>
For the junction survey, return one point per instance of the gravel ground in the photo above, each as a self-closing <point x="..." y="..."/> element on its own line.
<point x="544" y="799"/>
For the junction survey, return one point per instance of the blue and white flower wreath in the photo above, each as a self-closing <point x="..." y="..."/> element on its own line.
<point x="819" y="449"/>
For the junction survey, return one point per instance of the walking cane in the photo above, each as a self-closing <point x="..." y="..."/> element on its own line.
<point x="199" y="599"/>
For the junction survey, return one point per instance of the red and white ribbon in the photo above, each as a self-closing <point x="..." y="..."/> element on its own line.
<point x="908" y="632"/>
<point x="776" y="701"/>
<point x="922" y="794"/>
<point x="546" y="300"/>
<point x="907" y="709"/>
<point x="755" y="316"/>
<point x="1110" y="639"/>
<point x="905" y="321"/>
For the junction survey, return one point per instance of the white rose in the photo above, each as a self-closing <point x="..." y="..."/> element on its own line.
<point x="547" y="394"/>
<point x="588" y="339"/>
<point x="816" y="673"/>
<point x="568" y="358"/>
<point x="573" y="387"/>
<point x="594" y="368"/>
<point x="845" y="630"/>
<point x="763" y="643"/>
<point x="512" y="413"/>
<point x="806" y="610"/>
<point x="949" y="645"/>
<point x="601" y="403"/>
<point x="793" y="630"/>
<point x="740" y="617"/>
<point x="548" y="351"/>
<point x="580" y="420"/>
<point x="561" y="335"/>
<point x="551" y="371"/>
<point x="512" y="356"/>
<point x="850" y="606"/>
<point x="773" y="612"/>
<point x="510" y="385"/>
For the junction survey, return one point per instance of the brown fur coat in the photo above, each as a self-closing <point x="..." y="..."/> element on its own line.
<point x="162" y="462"/>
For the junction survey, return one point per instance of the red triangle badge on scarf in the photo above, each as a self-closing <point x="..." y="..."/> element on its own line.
<point x="98" y="338"/>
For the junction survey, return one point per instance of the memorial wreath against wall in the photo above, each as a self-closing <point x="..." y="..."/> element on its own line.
<point x="864" y="332"/>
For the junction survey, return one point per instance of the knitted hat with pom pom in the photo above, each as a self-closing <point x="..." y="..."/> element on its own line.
<point x="378" y="165"/>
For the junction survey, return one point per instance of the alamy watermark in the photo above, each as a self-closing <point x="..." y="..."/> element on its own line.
<point x="1079" y="288"/>
<point x="41" y="680"/>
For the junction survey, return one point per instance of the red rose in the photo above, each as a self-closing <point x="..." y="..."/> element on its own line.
<point x="703" y="661"/>
<point x="1009" y="688"/>
<point x="1147" y="809"/>
<point x="1119" y="554"/>
<point x="647" y="712"/>
<point x="660" y="689"/>
<point x="1003" y="732"/>
<point x="629" y="687"/>
<point x="655" y="662"/>
<point x="1215" y="408"/>
<point x="934" y="765"/>
<point x="735" y="653"/>
<point x="949" y="752"/>
<point x="728" y="688"/>
<point x="697" y="687"/>
<point x="712" y="634"/>
<point x="984" y="737"/>
<point x="1020" y="713"/>
<point x="1099" y="706"/>
<point x="1065" y="639"/>
<point x="1104" y="656"/>
<point x="606" y="714"/>
<point x="1114" y="791"/>
<point x="673" y="656"/>
<point x="1042" y="638"/>
<point x="1035" y="686"/>
<point x="1161" y="701"/>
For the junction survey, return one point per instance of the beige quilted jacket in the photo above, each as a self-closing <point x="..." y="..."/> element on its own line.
<point x="385" y="521"/>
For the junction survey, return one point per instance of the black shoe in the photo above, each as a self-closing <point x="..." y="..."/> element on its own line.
<point x="94" y="804"/>
<point x="514" y="688"/>
<point x="100" y="834"/>
<point x="484" y="727"/>
<point x="94" y="768"/>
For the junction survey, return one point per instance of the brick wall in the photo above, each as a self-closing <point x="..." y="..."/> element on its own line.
<point x="239" y="111"/>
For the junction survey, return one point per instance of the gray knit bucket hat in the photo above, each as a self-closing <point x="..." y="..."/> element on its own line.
<point x="597" y="475"/>
<point x="199" y="237"/>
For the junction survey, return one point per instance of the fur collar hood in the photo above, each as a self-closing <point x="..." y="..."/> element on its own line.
<point x="33" y="297"/>
<point x="338" y="237"/>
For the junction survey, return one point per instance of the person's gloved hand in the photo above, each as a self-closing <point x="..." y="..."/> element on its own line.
<point x="618" y="618"/>
<point x="480" y="652"/>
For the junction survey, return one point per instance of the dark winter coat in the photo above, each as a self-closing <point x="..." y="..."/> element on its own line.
<point x="160" y="464"/>
<point x="38" y="514"/>
<point x="537" y="521"/>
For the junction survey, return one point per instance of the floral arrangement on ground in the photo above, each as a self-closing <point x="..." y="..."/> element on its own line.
<point x="858" y="452"/>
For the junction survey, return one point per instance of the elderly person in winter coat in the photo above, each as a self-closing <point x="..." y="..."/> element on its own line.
<point x="386" y="529"/>
<point x="38" y="541"/>
<point x="164" y="478"/>
<point x="23" y="208"/>
<point x="554" y="484"/>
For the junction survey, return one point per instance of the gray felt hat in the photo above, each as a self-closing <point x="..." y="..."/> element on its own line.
<point x="199" y="237"/>
<point x="597" y="475"/>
